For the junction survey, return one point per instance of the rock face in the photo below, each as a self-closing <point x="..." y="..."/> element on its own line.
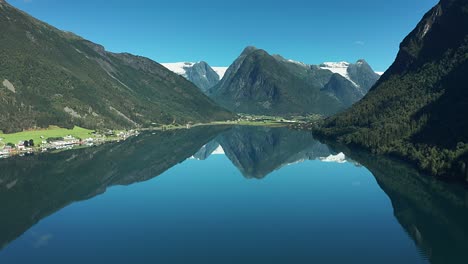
<point x="260" y="83"/>
<point x="363" y="75"/>
<point x="417" y="110"/>
<point x="201" y="74"/>
<point x="342" y="89"/>
<point x="44" y="70"/>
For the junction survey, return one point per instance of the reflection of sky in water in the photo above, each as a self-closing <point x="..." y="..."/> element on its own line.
<point x="41" y="240"/>
<point x="207" y="212"/>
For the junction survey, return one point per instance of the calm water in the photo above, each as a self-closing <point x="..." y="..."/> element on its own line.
<point x="226" y="195"/>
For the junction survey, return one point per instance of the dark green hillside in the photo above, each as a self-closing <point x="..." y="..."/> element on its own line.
<point x="418" y="109"/>
<point x="259" y="83"/>
<point x="51" y="77"/>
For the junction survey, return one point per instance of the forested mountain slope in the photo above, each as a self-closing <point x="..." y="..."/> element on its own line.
<point x="260" y="83"/>
<point x="51" y="77"/>
<point x="418" y="109"/>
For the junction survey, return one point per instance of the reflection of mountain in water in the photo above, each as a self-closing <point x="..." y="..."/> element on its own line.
<point x="258" y="151"/>
<point x="32" y="188"/>
<point x="433" y="213"/>
<point x="206" y="150"/>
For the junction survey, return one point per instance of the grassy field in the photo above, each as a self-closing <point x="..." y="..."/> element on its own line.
<point x="36" y="135"/>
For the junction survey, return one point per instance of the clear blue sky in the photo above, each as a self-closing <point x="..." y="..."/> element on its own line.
<point x="217" y="31"/>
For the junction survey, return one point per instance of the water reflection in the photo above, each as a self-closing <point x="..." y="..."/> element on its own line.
<point x="258" y="151"/>
<point x="35" y="187"/>
<point x="433" y="213"/>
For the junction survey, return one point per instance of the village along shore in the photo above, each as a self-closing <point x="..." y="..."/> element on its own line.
<point x="29" y="146"/>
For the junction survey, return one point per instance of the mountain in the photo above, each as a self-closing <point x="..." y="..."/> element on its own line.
<point x="417" y="110"/>
<point x="260" y="83"/>
<point x="52" y="77"/>
<point x="342" y="89"/>
<point x="362" y="74"/>
<point x="201" y="74"/>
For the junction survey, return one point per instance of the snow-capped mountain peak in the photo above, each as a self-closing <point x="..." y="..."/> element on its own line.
<point x="182" y="67"/>
<point x="199" y="73"/>
<point x="179" y="67"/>
<point x="338" y="67"/>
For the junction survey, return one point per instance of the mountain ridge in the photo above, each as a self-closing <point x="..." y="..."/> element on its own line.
<point x="416" y="110"/>
<point x="53" y="77"/>
<point x="199" y="73"/>
<point x="260" y="83"/>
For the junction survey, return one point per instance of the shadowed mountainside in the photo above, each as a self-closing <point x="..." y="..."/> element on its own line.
<point x="260" y="83"/>
<point x="417" y="110"/>
<point x="52" y="77"/>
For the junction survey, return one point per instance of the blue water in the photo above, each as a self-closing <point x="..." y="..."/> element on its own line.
<point x="226" y="195"/>
<point x="207" y="212"/>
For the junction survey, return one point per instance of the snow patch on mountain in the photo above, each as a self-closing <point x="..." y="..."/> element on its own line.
<point x="179" y="67"/>
<point x="337" y="67"/>
<point x="340" y="68"/>
<point x="339" y="158"/>
<point x="297" y="62"/>
<point x="221" y="71"/>
<point x="182" y="67"/>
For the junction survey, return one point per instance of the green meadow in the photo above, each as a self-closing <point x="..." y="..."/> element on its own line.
<point x="39" y="135"/>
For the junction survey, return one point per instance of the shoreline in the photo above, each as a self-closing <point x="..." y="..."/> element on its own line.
<point x="70" y="143"/>
<point x="64" y="144"/>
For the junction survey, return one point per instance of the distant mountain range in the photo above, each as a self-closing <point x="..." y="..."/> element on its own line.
<point x="52" y="77"/>
<point x="417" y="110"/>
<point x="260" y="83"/>
<point x="200" y="73"/>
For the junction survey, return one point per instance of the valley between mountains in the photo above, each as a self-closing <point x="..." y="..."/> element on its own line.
<point x="415" y="111"/>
